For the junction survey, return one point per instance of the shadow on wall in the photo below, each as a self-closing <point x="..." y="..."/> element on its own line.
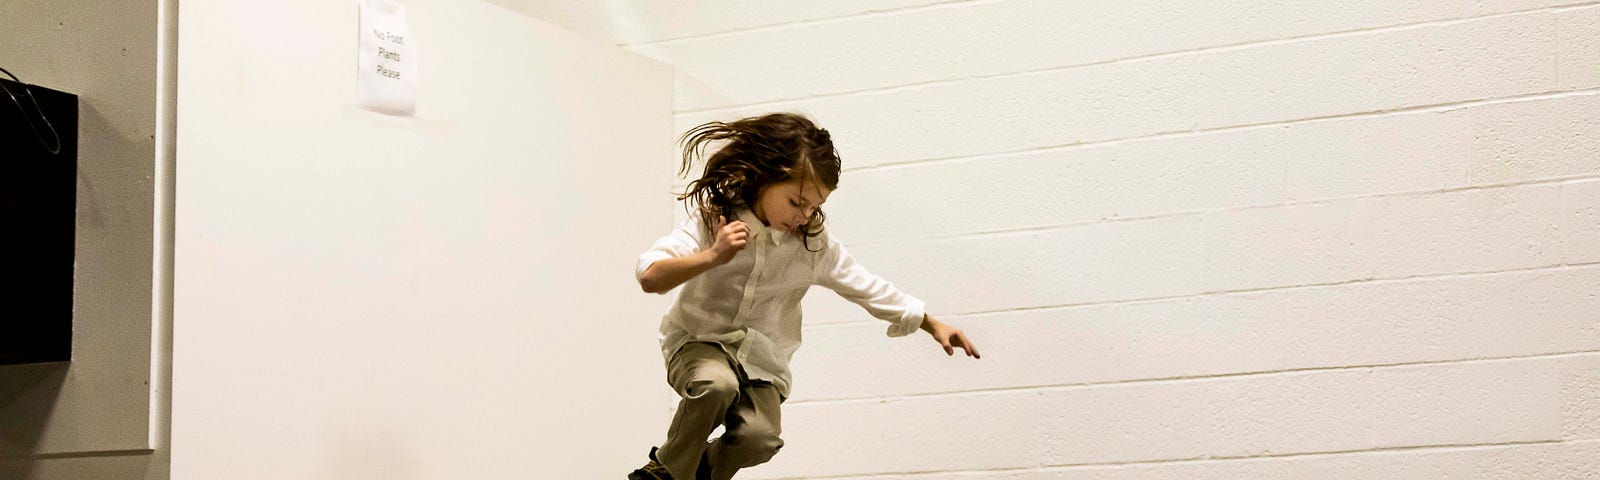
<point x="28" y="395"/>
<point x="97" y="136"/>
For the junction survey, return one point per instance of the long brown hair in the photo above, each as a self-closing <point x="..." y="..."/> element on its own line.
<point x="756" y="152"/>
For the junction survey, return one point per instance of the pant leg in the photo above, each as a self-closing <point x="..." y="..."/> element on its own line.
<point x="754" y="424"/>
<point x="704" y="376"/>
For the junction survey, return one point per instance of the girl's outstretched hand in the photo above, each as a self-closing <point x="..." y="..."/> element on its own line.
<point x="731" y="238"/>
<point x="949" y="337"/>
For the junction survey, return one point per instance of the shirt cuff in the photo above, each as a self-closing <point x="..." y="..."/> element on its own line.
<point x="911" y="320"/>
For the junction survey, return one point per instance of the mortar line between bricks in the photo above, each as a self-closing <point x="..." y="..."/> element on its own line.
<point x="1191" y="378"/>
<point x="809" y="21"/>
<point x="1140" y="58"/>
<point x="1430" y="108"/>
<point x="1221" y="293"/>
<point x="1239" y="208"/>
<point x="1222" y="459"/>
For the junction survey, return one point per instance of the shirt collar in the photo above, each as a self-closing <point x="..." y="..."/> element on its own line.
<point x="757" y="230"/>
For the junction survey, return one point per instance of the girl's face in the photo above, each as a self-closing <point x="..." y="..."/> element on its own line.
<point x="788" y="205"/>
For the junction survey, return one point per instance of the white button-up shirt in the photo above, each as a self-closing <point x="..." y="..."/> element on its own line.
<point x="751" y="305"/>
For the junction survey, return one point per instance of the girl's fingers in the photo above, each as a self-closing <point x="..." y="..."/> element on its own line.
<point x="967" y="345"/>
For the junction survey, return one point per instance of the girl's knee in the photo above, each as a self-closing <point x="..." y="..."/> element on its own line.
<point x="722" y="387"/>
<point x="754" y="446"/>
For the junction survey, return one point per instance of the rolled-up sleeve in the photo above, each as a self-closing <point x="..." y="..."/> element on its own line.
<point x="683" y="241"/>
<point x="839" y="272"/>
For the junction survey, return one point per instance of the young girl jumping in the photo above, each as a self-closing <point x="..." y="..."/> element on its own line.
<point x="753" y="245"/>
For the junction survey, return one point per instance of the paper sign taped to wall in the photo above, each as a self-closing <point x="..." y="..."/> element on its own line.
<point x="386" y="59"/>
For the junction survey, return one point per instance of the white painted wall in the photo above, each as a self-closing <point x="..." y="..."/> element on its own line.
<point x="445" y="296"/>
<point x="96" y="417"/>
<point x="1264" y="239"/>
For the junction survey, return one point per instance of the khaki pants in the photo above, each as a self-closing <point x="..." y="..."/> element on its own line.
<point x="716" y="392"/>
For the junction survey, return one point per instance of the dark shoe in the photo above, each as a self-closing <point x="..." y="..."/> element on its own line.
<point x="652" y="470"/>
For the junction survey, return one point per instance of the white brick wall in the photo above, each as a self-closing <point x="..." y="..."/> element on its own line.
<point x="1195" y="240"/>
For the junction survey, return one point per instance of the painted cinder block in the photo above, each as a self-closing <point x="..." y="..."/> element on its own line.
<point x="1441" y="319"/>
<point x="1496" y="143"/>
<point x="1535" y="140"/>
<point x="1480" y="230"/>
<point x="1487" y="402"/>
<point x="1579" y="49"/>
<point x="1581" y="221"/>
<point x="960" y="40"/>
<point x="1427" y="65"/>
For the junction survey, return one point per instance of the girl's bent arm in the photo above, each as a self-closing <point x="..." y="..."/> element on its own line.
<point x="666" y="274"/>
<point x="673" y="264"/>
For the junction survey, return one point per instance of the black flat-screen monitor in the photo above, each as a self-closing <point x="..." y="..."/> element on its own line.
<point x="38" y="215"/>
